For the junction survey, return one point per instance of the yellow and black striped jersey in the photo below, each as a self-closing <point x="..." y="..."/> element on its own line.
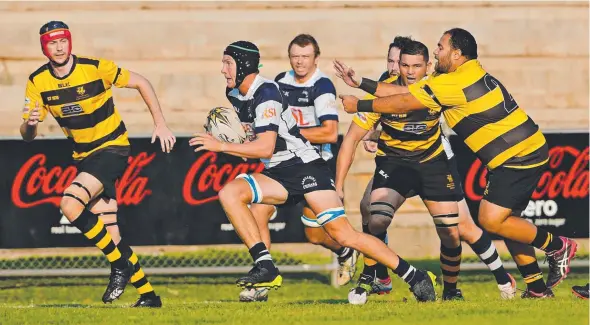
<point x="413" y="136"/>
<point x="482" y="112"/>
<point x="81" y="103"/>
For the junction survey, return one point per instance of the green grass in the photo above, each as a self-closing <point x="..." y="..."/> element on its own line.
<point x="303" y="299"/>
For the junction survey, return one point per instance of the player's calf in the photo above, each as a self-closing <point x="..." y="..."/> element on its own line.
<point x="450" y="253"/>
<point x="235" y="198"/>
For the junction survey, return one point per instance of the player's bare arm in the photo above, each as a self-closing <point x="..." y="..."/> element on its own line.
<point x="396" y="104"/>
<point x="139" y="82"/>
<point x="28" y="129"/>
<point x="375" y="88"/>
<point x="346" y="155"/>
<point x="263" y="147"/>
<point x="326" y="133"/>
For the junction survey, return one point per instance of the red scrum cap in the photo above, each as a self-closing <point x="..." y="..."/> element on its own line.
<point x="54" y="30"/>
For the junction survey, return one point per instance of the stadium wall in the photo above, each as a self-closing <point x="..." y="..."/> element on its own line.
<point x="538" y="50"/>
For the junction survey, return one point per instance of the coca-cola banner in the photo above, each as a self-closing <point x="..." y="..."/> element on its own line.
<point x="164" y="199"/>
<point x="560" y="202"/>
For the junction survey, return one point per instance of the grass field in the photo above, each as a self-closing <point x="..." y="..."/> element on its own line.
<point x="303" y="299"/>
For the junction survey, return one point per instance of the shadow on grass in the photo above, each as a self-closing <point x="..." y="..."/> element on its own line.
<point x="97" y="281"/>
<point x="320" y="301"/>
<point x="63" y="306"/>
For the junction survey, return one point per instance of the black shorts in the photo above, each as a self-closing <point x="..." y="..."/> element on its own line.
<point x="512" y="188"/>
<point x="107" y="166"/>
<point x="432" y="180"/>
<point x="301" y="179"/>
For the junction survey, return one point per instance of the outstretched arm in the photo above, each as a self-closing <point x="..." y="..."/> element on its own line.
<point x="139" y="82"/>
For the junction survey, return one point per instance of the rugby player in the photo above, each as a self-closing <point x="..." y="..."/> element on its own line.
<point x="76" y="90"/>
<point x="311" y="96"/>
<point x="294" y="172"/>
<point x="375" y="279"/>
<point x="482" y="112"/>
<point x="410" y="159"/>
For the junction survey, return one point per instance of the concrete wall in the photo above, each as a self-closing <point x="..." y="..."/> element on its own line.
<point x="538" y="50"/>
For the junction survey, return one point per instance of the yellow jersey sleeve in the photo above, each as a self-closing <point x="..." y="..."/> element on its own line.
<point x="113" y="74"/>
<point x="438" y="91"/>
<point x="32" y="96"/>
<point x="367" y="121"/>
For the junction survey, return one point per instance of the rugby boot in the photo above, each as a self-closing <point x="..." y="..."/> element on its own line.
<point x="117" y="282"/>
<point x="533" y="295"/>
<point x="452" y="294"/>
<point x="254" y="294"/>
<point x="423" y="290"/>
<point x="148" y="301"/>
<point x="581" y="291"/>
<point x="261" y="277"/>
<point x="559" y="262"/>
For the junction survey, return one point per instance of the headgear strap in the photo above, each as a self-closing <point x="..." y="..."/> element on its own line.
<point x="247" y="57"/>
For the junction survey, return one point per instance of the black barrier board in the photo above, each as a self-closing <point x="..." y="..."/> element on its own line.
<point x="164" y="199"/>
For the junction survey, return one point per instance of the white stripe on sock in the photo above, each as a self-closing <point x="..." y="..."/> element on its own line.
<point x="345" y="252"/>
<point x="495" y="264"/>
<point x="266" y="257"/>
<point x="489" y="252"/>
<point x="408" y="273"/>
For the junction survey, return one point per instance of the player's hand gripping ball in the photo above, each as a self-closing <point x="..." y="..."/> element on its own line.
<point x="225" y="125"/>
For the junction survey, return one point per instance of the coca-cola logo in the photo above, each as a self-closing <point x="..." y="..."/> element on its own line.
<point x="206" y="177"/>
<point x="560" y="180"/>
<point x="36" y="184"/>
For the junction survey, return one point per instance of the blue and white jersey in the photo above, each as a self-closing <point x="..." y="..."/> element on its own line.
<point x="263" y="107"/>
<point x="311" y="102"/>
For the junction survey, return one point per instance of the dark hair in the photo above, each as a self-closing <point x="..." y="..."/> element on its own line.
<point x="304" y="40"/>
<point x="400" y="42"/>
<point x="415" y="48"/>
<point x="461" y="39"/>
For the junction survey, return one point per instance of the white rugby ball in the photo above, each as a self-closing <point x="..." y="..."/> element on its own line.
<point x="225" y="125"/>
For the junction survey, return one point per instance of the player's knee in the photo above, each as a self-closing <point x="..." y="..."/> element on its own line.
<point x="378" y="224"/>
<point x="233" y="193"/>
<point x="381" y="215"/>
<point x="489" y="223"/>
<point x="72" y="203"/>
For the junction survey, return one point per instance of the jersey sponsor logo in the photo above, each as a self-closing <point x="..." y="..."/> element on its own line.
<point x="309" y="182"/>
<point x="63" y="85"/>
<point x="71" y="109"/>
<point x="269" y="112"/>
<point x="52" y="98"/>
<point x="61" y="32"/>
<point x="298" y="115"/>
<point x="415" y="127"/>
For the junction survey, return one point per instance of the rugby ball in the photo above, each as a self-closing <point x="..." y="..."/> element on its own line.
<point x="225" y="125"/>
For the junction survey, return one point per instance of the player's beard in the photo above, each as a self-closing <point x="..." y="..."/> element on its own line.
<point x="443" y="65"/>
